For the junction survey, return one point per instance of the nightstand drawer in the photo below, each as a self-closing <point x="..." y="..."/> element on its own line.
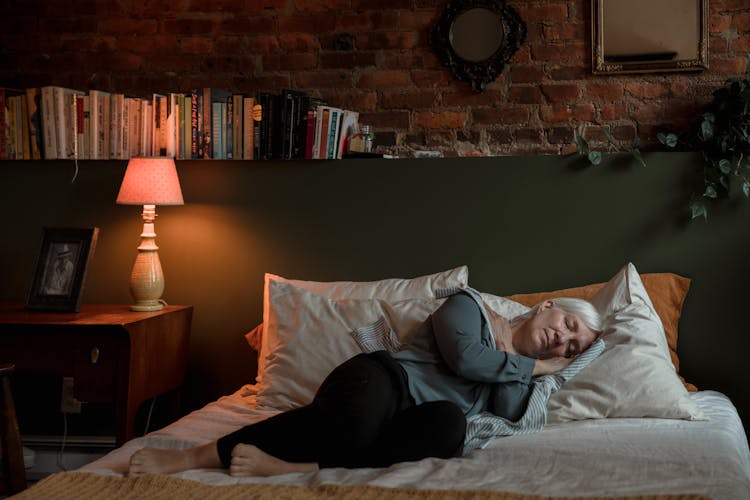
<point x="96" y="361"/>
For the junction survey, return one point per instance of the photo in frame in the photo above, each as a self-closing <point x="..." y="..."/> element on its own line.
<point x="60" y="274"/>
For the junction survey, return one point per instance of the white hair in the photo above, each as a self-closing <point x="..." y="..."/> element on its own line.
<point x="584" y="309"/>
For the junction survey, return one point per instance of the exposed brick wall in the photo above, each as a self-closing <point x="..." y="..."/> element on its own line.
<point x="368" y="55"/>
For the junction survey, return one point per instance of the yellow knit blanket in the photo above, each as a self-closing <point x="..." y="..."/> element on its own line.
<point x="79" y="485"/>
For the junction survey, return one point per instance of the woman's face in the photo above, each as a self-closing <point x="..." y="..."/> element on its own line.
<point x="551" y="333"/>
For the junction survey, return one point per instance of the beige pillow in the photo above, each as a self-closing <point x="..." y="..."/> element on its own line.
<point x="634" y="376"/>
<point x="309" y="335"/>
<point x="393" y="289"/>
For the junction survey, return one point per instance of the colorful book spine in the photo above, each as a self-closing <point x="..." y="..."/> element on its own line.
<point x="49" y="135"/>
<point x="34" y="123"/>
<point x="248" y="128"/>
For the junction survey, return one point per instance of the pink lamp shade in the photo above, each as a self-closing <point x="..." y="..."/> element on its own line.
<point x="150" y="181"/>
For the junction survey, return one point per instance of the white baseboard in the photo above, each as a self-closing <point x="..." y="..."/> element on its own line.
<point x="50" y="456"/>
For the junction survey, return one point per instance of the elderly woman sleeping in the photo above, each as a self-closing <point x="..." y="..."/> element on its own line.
<point x="381" y="408"/>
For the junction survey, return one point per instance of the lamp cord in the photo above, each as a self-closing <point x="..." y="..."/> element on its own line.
<point x="148" y="418"/>
<point x="75" y="172"/>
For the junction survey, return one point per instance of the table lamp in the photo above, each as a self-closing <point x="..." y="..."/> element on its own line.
<point x="149" y="182"/>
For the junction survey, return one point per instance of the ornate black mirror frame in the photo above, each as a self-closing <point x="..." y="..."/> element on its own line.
<point x="478" y="72"/>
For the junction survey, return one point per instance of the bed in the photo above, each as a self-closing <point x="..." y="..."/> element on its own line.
<point x="626" y="426"/>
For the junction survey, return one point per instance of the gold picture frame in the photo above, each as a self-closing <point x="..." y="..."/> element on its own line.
<point x="647" y="36"/>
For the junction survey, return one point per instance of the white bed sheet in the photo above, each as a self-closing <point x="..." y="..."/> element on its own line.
<point x="592" y="457"/>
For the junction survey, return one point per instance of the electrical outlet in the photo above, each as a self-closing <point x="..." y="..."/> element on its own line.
<point x="68" y="402"/>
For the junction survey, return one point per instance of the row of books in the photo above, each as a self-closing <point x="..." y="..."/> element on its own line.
<point x="54" y="122"/>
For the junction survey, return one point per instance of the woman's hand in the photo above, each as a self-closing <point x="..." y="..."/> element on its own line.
<point x="501" y="332"/>
<point x="551" y="365"/>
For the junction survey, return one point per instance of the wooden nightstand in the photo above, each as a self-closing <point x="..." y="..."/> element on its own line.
<point x="113" y="354"/>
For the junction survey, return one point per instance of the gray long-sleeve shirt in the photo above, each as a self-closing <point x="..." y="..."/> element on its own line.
<point x="453" y="357"/>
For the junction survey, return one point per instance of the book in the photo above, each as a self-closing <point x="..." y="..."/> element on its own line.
<point x="126" y="127"/>
<point x="321" y="132"/>
<point x="135" y="126"/>
<point x="49" y="134"/>
<point x="238" y="114"/>
<point x="210" y="96"/>
<point x="261" y="124"/>
<point x="291" y="118"/>
<point x="99" y="119"/>
<point x="310" y="126"/>
<point x="116" y="129"/>
<point x="349" y="122"/>
<point x="159" y="125"/>
<point x="34" y="123"/>
<point x="196" y="124"/>
<point x="183" y="124"/>
<point x="228" y="129"/>
<point x="11" y="113"/>
<point x="3" y="125"/>
<point x="275" y="128"/>
<point x="333" y="133"/>
<point x="248" y="128"/>
<point x="80" y="151"/>
<point x="326" y="132"/>
<point x="146" y="128"/>
<point x="186" y="109"/>
<point x="217" y="137"/>
<point x="172" y="130"/>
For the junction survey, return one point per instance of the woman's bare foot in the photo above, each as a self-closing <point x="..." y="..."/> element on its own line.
<point x="249" y="460"/>
<point x="169" y="461"/>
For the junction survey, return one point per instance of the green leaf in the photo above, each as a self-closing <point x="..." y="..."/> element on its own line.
<point x="583" y="146"/>
<point x="638" y="156"/>
<point x="746" y="188"/>
<point x="707" y="130"/>
<point x="595" y="157"/>
<point x="669" y="140"/>
<point x="698" y="210"/>
<point x="725" y="166"/>
<point x="710" y="192"/>
<point x="608" y="136"/>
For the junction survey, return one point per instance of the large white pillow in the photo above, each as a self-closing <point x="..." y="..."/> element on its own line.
<point x="392" y="290"/>
<point x="308" y="335"/>
<point x="634" y="376"/>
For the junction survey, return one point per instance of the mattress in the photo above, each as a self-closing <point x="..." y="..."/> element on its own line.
<point x="606" y="457"/>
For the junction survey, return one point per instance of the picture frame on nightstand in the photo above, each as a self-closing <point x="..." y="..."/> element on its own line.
<point x="60" y="273"/>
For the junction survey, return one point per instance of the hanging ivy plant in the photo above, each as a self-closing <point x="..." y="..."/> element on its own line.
<point x="595" y="157"/>
<point x="722" y="135"/>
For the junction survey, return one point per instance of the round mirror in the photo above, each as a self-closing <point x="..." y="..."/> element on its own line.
<point x="476" y="34"/>
<point x="477" y="38"/>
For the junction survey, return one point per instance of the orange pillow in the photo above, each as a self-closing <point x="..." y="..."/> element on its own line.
<point x="666" y="290"/>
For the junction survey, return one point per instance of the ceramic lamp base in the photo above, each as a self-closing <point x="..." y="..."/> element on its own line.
<point x="147" y="278"/>
<point x="144" y="307"/>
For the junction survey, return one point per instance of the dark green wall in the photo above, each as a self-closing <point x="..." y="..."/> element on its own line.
<point x="520" y="223"/>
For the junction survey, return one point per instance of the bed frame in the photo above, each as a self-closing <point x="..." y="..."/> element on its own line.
<point x="521" y="224"/>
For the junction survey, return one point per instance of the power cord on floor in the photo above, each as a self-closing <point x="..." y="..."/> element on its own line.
<point x="60" y="454"/>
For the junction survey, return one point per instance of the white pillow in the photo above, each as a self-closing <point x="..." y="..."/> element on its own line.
<point x="392" y="290"/>
<point x="634" y="376"/>
<point x="504" y="307"/>
<point x="309" y="335"/>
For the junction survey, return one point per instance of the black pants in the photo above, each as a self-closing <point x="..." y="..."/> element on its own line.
<point x="362" y="416"/>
